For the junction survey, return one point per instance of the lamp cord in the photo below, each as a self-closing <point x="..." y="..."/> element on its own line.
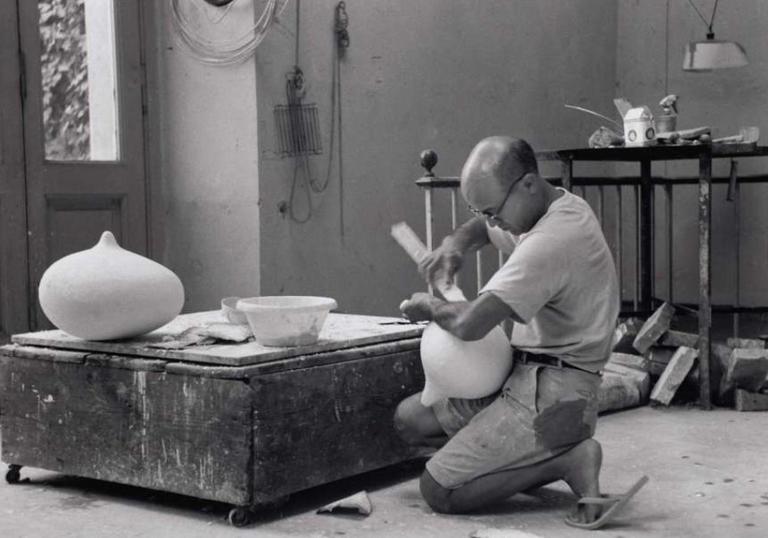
<point x="702" y="17"/>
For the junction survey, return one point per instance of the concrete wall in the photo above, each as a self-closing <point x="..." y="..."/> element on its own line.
<point x="651" y="37"/>
<point x="208" y="168"/>
<point x="427" y="74"/>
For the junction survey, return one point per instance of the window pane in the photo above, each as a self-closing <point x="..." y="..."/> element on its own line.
<point x="80" y="116"/>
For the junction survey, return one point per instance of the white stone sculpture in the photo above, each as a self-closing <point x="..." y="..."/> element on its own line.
<point x="454" y="368"/>
<point x="107" y="292"/>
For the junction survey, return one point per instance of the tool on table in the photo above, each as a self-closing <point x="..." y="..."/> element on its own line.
<point x="685" y="136"/>
<point x="407" y="238"/>
<point x="747" y="135"/>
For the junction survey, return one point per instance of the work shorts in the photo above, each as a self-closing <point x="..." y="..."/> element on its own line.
<point x="540" y="412"/>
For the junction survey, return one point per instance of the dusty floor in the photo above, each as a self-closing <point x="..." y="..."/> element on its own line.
<point x="708" y="470"/>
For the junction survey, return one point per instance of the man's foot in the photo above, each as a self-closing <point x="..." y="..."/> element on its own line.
<point x="583" y="464"/>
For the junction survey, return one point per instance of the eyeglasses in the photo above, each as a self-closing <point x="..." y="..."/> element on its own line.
<point x="494" y="215"/>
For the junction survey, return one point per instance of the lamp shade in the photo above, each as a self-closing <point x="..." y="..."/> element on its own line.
<point x="713" y="54"/>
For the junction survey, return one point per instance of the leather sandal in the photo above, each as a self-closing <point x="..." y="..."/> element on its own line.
<point x="611" y="503"/>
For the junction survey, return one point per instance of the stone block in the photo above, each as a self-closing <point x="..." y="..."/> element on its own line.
<point x="747" y="369"/>
<point x="654" y="327"/>
<point x="674" y="374"/>
<point x="679" y="338"/>
<point x="745" y="343"/>
<point x="751" y="401"/>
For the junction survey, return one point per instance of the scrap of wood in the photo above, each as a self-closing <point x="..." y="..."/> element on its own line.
<point x="745" y="343"/>
<point x="674" y="375"/>
<point x="751" y="401"/>
<point x="654" y="327"/>
<point x="747" y="369"/>
<point x="679" y="338"/>
<point x="359" y="502"/>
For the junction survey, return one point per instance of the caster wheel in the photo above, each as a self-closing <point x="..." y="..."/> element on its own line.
<point x="13" y="475"/>
<point x="239" y="516"/>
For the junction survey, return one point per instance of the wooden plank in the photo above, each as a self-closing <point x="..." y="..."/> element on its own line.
<point x="751" y="401"/>
<point x="43" y="354"/>
<point x="674" y="375"/>
<point x="340" y="331"/>
<point x="654" y="327"/>
<point x="171" y="433"/>
<point x="320" y="424"/>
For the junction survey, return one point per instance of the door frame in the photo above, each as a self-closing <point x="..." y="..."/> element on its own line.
<point x="14" y="285"/>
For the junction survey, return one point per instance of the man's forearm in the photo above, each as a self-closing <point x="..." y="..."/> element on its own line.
<point x="470" y="236"/>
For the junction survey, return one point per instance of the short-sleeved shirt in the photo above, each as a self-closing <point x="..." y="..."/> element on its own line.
<point x="560" y="279"/>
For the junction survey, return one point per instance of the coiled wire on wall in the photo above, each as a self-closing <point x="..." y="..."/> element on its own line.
<point x="294" y="96"/>
<point x="229" y="52"/>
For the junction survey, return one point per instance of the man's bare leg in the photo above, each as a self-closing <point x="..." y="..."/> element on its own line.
<point x="417" y="424"/>
<point x="579" y="468"/>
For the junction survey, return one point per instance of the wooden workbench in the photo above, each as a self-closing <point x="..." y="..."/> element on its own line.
<point x="237" y="423"/>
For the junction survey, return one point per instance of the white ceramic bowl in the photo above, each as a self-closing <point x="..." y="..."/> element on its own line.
<point x="286" y="320"/>
<point x="230" y="311"/>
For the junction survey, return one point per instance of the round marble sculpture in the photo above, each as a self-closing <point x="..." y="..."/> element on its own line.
<point x="454" y="368"/>
<point x="107" y="292"/>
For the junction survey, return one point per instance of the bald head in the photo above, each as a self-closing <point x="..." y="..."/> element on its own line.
<point x="500" y="160"/>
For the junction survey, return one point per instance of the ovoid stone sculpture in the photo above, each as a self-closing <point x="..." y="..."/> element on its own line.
<point x="107" y="292"/>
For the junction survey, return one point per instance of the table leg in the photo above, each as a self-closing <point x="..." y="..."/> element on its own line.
<point x="705" y="244"/>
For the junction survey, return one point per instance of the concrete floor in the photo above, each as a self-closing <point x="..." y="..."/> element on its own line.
<point x="708" y="470"/>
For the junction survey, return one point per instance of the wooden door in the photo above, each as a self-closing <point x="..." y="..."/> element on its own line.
<point x="83" y="127"/>
<point x="13" y="225"/>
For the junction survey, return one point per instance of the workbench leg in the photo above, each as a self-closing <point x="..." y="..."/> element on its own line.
<point x="705" y="268"/>
<point x="13" y="475"/>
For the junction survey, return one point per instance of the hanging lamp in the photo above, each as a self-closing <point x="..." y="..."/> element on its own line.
<point x="702" y="56"/>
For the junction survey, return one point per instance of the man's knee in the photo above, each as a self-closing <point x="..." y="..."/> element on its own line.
<point x="437" y="497"/>
<point x="406" y="424"/>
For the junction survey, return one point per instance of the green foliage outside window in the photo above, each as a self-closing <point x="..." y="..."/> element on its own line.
<point x="65" y="79"/>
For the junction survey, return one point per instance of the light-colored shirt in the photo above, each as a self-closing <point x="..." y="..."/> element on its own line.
<point x="560" y="279"/>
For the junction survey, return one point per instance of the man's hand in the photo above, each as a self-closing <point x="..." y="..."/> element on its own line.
<point x="442" y="264"/>
<point x="419" y="307"/>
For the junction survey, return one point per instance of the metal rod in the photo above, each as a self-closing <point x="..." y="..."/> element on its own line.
<point x="566" y="173"/>
<point x="737" y="211"/>
<point x="670" y="243"/>
<point x="479" y="263"/>
<point x="705" y="268"/>
<point x="429" y="221"/>
<point x="637" y="247"/>
<point x="601" y="203"/>
<point x="646" y="235"/>
<point x="619" y="240"/>
<point x="453" y="209"/>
